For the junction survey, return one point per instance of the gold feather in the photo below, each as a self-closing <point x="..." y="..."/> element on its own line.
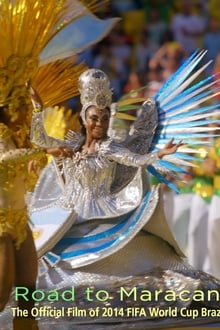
<point x="58" y="120"/>
<point x="56" y="82"/>
<point x="125" y="116"/>
<point x="26" y="27"/>
<point x="131" y="100"/>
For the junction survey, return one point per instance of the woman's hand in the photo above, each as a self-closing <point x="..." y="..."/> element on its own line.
<point x="60" y="152"/>
<point x="170" y="148"/>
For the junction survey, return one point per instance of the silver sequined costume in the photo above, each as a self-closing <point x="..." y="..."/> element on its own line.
<point x="120" y="236"/>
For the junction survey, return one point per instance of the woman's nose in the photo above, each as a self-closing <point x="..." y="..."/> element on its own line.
<point x="99" y="122"/>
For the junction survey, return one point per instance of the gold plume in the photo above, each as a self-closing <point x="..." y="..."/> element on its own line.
<point x="58" y="120"/>
<point x="26" y="27"/>
<point x="61" y="74"/>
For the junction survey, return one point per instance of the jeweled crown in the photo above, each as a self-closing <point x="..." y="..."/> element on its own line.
<point x="94" y="88"/>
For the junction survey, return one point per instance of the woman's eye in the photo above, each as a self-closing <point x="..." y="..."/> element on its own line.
<point x="102" y="120"/>
<point x="94" y="118"/>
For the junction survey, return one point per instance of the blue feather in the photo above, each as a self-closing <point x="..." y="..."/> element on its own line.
<point x="190" y="124"/>
<point x="161" y="178"/>
<point x="183" y="137"/>
<point x="178" y="107"/>
<point x="189" y="142"/>
<point x="198" y="97"/>
<point x="177" y="78"/>
<point x="191" y="89"/>
<point x="170" y="166"/>
<point x="183" y="66"/>
<point x="186" y="114"/>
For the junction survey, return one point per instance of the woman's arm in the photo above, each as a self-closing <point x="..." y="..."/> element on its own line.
<point x="16" y="155"/>
<point x="116" y="152"/>
<point x="19" y="155"/>
<point x="38" y="134"/>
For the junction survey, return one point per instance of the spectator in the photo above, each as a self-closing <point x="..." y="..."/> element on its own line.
<point x="212" y="42"/>
<point x="143" y="51"/>
<point x="125" y="5"/>
<point x="169" y="57"/>
<point x="112" y="65"/>
<point x="187" y="27"/>
<point x="155" y="26"/>
<point x="155" y="81"/>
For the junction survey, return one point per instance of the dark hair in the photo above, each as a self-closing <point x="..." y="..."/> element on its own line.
<point x="83" y="129"/>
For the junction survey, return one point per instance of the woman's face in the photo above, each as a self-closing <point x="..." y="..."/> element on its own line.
<point x="97" y="122"/>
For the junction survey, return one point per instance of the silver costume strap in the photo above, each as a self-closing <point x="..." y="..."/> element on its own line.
<point x="118" y="153"/>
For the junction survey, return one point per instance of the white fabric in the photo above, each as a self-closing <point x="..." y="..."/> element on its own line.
<point x="213" y="236"/>
<point x="197" y="236"/>
<point x="168" y="199"/>
<point x="181" y="215"/>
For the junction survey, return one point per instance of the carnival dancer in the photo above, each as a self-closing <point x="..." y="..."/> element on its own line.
<point x="120" y="235"/>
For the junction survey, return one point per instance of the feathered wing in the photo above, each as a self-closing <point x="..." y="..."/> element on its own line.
<point x="181" y="110"/>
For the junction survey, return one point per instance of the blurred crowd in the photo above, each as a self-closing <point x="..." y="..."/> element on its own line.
<point x="152" y="39"/>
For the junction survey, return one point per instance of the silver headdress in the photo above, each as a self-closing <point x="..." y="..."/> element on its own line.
<point x="94" y="88"/>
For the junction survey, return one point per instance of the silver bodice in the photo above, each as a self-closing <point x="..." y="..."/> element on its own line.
<point x="106" y="184"/>
<point x="93" y="174"/>
<point x="88" y="187"/>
